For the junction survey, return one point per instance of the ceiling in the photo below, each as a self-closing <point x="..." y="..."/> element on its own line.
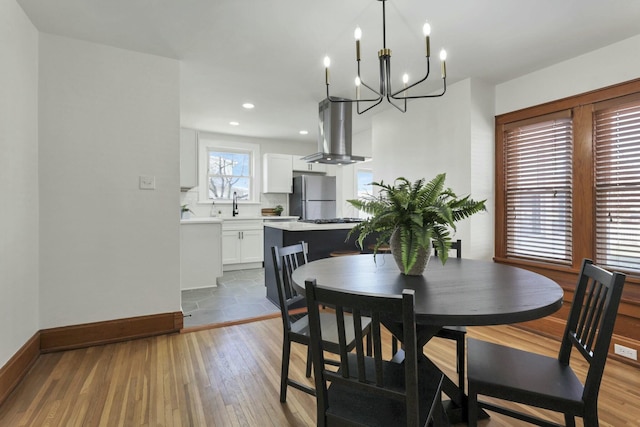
<point x="270" y="52"/>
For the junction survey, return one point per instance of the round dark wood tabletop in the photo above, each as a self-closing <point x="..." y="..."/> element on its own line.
<point x="462" y="292"/>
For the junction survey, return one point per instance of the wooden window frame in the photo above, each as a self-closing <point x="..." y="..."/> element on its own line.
<point x="582" y="107"/>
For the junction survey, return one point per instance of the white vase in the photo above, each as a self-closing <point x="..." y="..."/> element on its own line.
<point x="185" y="215"/>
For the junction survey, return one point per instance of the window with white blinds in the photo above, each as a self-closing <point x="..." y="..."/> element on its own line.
<point x="538" y="189"/>
<point x="617" y="185"/>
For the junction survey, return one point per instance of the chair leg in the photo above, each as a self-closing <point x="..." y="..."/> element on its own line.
<point x="590" y="417"/>
<point x="284" y="374"/>
<point x="394" y="346"/>
<point x="308" y="373"/>
<point x="570" y="421"/>
<point x="472" y="406"/>
<point x="460" y="347"/>
<point x="369" y="344"/>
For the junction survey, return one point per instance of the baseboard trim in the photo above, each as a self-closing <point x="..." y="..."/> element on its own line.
<point x="98" y="333"/>
<point x="229" y="323"/>
<point x="17" y="367"/>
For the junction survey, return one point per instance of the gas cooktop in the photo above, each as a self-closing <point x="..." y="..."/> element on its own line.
<point x="332" y="220"/>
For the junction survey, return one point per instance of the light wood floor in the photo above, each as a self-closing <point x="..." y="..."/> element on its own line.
<point x="229" y="377"/>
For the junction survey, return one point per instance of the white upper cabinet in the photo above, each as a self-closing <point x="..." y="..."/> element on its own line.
<point x="277" y="173"/>
<point x="302" y="166"/>
<point x="188" y="159"/>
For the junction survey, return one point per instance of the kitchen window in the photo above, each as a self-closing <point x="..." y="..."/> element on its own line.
<point x="227" y="168"/>
<point x="364" y="178"/>
<point x="568" y="182"/>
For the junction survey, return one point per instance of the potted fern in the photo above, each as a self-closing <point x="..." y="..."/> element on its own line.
<point x="409" y="217"/>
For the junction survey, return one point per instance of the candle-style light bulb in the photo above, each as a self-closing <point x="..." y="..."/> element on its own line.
<point x="426" y="30"/>
<point x="327" y="63"/>
<point x="405" y="80"/>
<point x="443" y="65"/>
<point x="358" y="82"/>
<point x="358" y="35"/>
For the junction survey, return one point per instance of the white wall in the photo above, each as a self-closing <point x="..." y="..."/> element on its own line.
<point x="108" y="249"/>
<point x="18" y="179"/>
<point x="452" y="134"/>
<point x="604" y="67"/>
<point x="346" y="176"/>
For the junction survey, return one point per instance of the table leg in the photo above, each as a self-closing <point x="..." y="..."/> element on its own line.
<point x="456" y="408"/>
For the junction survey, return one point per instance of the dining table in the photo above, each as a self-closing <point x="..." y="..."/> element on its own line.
<point x="462" y="292"/>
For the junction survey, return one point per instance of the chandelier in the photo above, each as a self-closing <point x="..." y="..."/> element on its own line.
<point x="385" y="90"/>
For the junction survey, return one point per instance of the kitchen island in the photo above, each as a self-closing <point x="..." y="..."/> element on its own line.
<point x="322" y="240"/>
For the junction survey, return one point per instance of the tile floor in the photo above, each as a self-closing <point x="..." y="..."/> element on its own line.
<point x="239" y="295"/>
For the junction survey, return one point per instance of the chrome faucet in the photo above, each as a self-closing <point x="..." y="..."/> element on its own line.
<point x="235" y="203"/>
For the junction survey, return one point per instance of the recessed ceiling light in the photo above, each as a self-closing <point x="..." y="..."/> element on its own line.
<point x="234" y="123"/>
<point x="248" y="105"/>
<point x="304" y="132"/>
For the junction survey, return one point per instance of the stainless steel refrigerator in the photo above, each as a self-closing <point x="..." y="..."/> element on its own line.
<point x="313" y="197"/>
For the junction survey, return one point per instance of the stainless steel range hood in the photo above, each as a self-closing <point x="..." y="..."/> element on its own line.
<point x="334" y="136"/>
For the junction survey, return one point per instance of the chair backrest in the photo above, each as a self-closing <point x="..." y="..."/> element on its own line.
<point x="455" y="246"/>
<point x="354" y="375"/>
<point x="285" y="261"/>
<point x="591" y="319"/>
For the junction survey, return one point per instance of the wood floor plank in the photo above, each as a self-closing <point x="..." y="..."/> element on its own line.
<point x="231" y="377"/>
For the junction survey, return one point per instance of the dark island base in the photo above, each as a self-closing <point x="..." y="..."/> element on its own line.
<point x="320" y="242"/>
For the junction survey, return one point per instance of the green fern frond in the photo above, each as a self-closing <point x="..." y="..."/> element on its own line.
<point x="422" y="211"/>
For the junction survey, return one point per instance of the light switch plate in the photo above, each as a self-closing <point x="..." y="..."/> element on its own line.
<point x="147" y="182"/>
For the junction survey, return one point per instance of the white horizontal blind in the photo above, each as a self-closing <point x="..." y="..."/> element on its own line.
<point x="617" y="176"/>
<point x="538" y="183"/>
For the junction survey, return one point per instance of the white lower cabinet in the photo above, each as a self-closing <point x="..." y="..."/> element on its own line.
<point x="242" y="243"/>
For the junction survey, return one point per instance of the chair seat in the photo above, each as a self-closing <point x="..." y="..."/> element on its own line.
<point x="523" y="376"/>
<point x="373" y="410"/>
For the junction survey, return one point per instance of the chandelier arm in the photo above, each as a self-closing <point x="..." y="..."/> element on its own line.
<point x="372" y="90"/>
<point x="368" y="108"/>
<point x="383" y="86"/>
<point x="387" y="77"/>
<point x="338" y="99"/>
<point x="437" y="95"/>
<point x="393" y="95"/>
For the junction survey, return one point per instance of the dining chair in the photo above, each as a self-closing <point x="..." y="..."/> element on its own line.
<point x="547" y="382"/>
<point x="296" y="323"/>
<point x="455" y="333"/>
<point x="368" y="390"/>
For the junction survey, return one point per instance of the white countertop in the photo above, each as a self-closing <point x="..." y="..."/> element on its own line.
<point x="201" y="220"/>
<point x="306" y="226"/>
<point x="221" y="219"/>
<point x="260" y="217"/>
